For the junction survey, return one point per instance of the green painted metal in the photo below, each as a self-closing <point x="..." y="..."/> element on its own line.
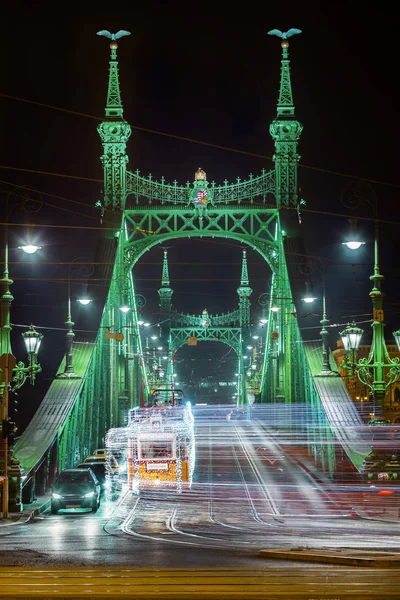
<point x="261" y="187"/>
<point x="114" y="133"/>
<point x="244" y="292"/>
<point x="228" y="335"/>
<point x="285" y="131"/>
<point x="378" y="371"/>
<point x="149" y="213"/>
<point x="230" y="318"/>
<point x="159" y="212"/>
<point x="165" y="293"/>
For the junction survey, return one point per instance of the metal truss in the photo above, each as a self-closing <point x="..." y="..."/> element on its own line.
<point x="255" y="227"/>
<point x="232" y="336"/>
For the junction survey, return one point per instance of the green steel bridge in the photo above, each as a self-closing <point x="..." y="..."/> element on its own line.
<point x="101" y="378"/>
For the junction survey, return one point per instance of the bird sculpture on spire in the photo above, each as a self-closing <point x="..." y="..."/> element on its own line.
<point x="284" y="35"/>
<point x="113" y="36"/>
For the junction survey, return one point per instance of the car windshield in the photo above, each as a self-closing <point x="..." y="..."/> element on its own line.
<point x="76" y="477"/>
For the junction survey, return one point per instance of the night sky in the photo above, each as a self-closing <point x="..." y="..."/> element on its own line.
<point x="212" y="75"/>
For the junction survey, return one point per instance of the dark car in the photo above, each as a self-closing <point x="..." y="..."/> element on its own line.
<point x="101" y="469"/>
<point x="75" y="488"/>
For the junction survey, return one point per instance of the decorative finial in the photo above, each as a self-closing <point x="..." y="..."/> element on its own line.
<point x="113" y="36"/>
<point x="200" y="175"/>
<point x="284" y="35"/>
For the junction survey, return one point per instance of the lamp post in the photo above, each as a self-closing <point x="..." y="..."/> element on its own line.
<point x="12" y="376"/>
<point x="307" y="268"/>
<point x="84" y="270"/>
<point x="378" y="371"/>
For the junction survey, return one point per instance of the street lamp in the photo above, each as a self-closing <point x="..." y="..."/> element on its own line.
<point x="306" y="267"/>
<point x="309" y="296"/>
<point x="85" y="270"/>
<point x="354" y="242"/>
<point x="378" y="371"/>
<point x="12" y="376"/>
<point x="32" y="340"/>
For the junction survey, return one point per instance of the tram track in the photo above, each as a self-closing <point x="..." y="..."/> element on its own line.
<point x="193" y="518"/>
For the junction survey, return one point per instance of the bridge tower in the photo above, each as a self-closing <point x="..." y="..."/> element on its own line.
<point x="114" y="132"/>
<point x="285" y="130"/>
<point x="165" y="293"/>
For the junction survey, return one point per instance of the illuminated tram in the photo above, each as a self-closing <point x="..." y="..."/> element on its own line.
<point x="156" y="449"/>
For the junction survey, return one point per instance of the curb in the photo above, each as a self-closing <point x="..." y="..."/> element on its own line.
<point x="383" y="561"/>
<point x="25" y="515"/>
<point x="37" y="511"/>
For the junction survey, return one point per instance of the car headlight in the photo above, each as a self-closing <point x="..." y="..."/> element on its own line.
<point x="89" y="495"/>
<point x="56" y="496"/>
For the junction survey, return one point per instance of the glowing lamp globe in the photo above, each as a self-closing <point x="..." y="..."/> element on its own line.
<point x="351" y="337"/>
<point x="29" y="248"/>
<point x="84" y="301"/>
<point x="353" y="244"/>
<point x="32" y="340"/>
<point x="309" y="296"/>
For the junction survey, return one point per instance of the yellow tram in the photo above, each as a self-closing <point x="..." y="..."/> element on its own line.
<point x="156" y="449"/>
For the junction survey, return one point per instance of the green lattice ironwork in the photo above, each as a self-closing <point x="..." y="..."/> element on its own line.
<point x="232" y="336"/>
<point x="148" y="191"/>
<point x="230" y="318"/>
<point x="150" y="213"/>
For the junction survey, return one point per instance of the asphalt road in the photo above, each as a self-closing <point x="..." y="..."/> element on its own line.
<point x="247" y="495"/>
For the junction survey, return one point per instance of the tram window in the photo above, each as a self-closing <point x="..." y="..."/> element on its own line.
<point x="155" y="450"/>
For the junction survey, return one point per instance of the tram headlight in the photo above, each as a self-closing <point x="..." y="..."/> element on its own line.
<point x="157" y="482"/>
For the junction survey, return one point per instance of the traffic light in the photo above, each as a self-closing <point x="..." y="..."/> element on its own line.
<point x="8" y="429"/>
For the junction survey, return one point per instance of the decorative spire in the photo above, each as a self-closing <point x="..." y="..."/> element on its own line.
<point x="244" y="292"/>
<point x="114" y="107"/>
<point x="285" y="106"/>
<point x="244" y="280"/>
<point x="165" y="272"/>
<point x="114" y="133"/>
<point x="165" y="293"/>
<point x="114" y="104"/>
<point x="285" y="131"/>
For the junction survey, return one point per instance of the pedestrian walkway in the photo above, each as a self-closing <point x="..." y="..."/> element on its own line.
<point x="38" y="506"/>
<point x="188" y="583"/>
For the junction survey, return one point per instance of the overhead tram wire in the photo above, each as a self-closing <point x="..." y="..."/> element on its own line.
<point x="192" y="141"/>
<point x="42" y="193"/>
